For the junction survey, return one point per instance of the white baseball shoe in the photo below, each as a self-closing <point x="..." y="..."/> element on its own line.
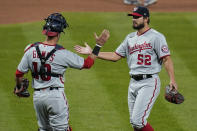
<point x="132" y="2"/>
<point x="150" y="2"/>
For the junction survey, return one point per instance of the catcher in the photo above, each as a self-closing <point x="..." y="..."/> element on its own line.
<point x="48" y="62"/>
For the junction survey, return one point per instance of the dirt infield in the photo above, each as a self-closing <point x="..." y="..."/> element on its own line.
<point x="17" y="11"/>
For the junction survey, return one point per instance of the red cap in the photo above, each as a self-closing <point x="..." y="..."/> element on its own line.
<point x="49" y="33"/>
<point x="140" y="11"/>
<point x="135" y="14"/>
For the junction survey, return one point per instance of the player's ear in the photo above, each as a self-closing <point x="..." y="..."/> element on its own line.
<point x="147" y="20"/>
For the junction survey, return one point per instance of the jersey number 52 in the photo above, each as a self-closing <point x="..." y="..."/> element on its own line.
<point x="144" y="59"/>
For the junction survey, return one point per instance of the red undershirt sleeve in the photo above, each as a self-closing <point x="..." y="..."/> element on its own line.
<point x="88" y="62"/>
<point x="19" y="73"/>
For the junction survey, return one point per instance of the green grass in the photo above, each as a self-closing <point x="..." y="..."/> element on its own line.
<point x="98" y="97"/>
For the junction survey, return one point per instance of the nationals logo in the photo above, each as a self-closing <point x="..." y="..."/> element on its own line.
<point x="164" y="49"/>
<point x="139" y="47"/>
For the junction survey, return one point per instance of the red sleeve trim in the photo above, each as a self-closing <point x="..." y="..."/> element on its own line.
<point x="119" y="55"/>
<point x="88" y="62"/>
<point x="28" y="47"/>
<point x="164" y="56"/>
<point x="19" y="73"/>
<point x="62" y="48"/>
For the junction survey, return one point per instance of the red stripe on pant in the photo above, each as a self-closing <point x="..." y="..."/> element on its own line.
<point x="66" y="104"/>
<point x="148" y="126"/>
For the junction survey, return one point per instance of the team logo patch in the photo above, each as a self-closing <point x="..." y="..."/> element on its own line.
<point x="164" y="49"/>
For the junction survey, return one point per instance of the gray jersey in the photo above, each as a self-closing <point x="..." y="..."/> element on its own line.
<point x="144" y="52"/>
<point x="57" y="63"/>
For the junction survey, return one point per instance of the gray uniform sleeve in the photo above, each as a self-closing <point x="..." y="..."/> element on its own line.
<point x="121" y="50"/>
<point x="72" y="60"/>
<point x="161" y="46"/>
<point x="23" y="65"/>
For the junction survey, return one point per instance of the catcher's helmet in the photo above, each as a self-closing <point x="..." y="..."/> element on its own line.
<point x="55" y="23"/>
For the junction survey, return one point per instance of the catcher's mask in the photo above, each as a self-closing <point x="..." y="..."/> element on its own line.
<point x="55" y="24"/>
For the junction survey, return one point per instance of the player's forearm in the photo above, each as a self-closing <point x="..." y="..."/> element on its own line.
<point x="18" y="81"/>
<point x="169" y="68"/>
<point x="110" y="56"/>
<point x="18" y="77"/>
<point x="93" y="56"/>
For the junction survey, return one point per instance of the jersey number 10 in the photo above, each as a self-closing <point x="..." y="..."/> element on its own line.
<point x="144" y="59"/>
<point x="48" y="69"/>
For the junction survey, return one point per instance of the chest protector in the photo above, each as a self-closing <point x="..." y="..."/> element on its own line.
<point x="42" y="72"/>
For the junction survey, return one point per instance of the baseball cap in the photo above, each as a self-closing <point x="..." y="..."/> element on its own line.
<point x="140" y="11"/>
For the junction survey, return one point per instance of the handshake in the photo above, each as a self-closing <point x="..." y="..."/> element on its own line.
<point x="100" y="41"/>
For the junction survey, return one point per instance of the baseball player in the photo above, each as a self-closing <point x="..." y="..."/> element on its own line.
<point x="48" y="62"/>
<point x="139" y="2"/>
<point x="145" y="50"/>
<point x="132" y="2"/>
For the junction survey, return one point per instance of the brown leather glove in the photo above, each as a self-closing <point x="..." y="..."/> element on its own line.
<point x="24" y="86"/>
<point x="173" y="96"/>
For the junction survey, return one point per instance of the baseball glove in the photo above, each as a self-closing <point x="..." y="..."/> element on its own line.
<point x="24" y="85"/>
<point x="173" y="96"/>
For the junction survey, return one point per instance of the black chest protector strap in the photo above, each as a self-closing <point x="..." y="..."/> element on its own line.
<point x="43" y="59"/>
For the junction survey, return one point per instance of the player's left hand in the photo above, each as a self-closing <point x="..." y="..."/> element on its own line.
<point x="104" y="36"/>
<point x="173" y="86"/>
<point x="22" y="90"/>
<point x="87" y="50"/>
<point x="173" y="96"/>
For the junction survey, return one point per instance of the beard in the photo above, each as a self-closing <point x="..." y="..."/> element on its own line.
<point x="138" y="27"/>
